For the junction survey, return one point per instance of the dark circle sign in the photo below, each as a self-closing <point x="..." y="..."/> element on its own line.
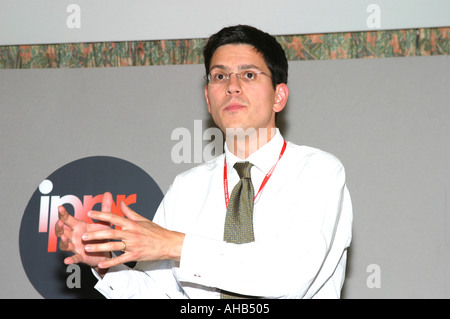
<point x="79" y="186"/>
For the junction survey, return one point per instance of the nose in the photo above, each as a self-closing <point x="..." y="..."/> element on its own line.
<point x="234" y="85"/>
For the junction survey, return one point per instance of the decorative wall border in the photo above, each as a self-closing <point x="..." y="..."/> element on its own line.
<point x="327" y="46"/>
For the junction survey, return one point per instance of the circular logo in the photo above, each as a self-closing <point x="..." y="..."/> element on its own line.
<point x="79" y="186"/>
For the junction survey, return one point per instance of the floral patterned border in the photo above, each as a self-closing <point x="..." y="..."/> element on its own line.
<point x="327" y="46"/>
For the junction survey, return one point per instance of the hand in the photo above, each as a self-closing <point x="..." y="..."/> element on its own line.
<point x="144" y="240"/>
<point x="70" y="230"/>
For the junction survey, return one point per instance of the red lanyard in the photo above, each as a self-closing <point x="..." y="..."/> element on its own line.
<point x="264" y="182"/>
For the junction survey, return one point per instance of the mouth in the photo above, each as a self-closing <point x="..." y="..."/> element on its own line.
<point x="234" y="107"/>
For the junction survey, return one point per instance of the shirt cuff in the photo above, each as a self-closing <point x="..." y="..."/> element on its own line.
<point x="200" y="259"/>
<point x="110" y="284"/>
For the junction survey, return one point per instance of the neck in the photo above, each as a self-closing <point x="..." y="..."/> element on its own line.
<point x="243" y="143"/>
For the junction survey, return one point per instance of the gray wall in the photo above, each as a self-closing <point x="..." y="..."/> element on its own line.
<point x="386" y="119"/>
<point x="67" y="21"/>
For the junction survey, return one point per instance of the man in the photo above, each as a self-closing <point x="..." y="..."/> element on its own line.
<point x="288" y="240"/>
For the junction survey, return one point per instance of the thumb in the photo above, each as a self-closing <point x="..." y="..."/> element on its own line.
<point x="129" y="213"/>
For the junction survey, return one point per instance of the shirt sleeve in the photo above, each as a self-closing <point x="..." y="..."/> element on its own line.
<point x="308" y="254"/>
<point x="149" y="280"/>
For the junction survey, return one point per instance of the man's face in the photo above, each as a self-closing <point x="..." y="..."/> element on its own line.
<point x="236" y="103"/>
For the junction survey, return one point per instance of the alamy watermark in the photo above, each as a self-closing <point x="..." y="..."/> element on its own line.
<point x="374" y="278"/>
<point x="202" y="145"/>
<point x="373" y="21"/>
<point x="73" y="16"/>
<point x="74" y="279"/>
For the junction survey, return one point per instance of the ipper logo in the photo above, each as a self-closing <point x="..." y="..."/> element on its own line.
<point x="79" y="186"/>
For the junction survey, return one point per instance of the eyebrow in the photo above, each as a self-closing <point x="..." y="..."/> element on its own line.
<point x="240" y="67"/>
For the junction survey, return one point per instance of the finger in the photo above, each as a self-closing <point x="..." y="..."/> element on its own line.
<point x="66" y="218"/>
<point x="74" y="259"/>
<point x="107" y="202"/>
<point x="105" y="247"/>
<point x="59" y="228"/>
<point x="124" y="258"/>
<point x="109" y="218"/>
<point x="129" y="213"/>
<point x="106" y="234"/>
<point x="65" y="244"/>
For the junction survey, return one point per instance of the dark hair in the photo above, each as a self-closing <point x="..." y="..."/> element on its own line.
<point x="264" y="43"/>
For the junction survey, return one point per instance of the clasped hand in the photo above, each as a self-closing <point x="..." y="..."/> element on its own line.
<point x="92" y="244"/>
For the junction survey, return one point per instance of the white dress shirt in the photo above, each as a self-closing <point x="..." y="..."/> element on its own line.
<point x="302" y="224"/>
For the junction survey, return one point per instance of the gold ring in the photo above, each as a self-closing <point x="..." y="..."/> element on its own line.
<point x="124" y="246"/>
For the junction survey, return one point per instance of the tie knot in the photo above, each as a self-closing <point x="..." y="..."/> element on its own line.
<point x="243" y="169"/>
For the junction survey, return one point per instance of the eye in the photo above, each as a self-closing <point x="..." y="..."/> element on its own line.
<point x="219" y="76"/>
<point x="250" y="75"/>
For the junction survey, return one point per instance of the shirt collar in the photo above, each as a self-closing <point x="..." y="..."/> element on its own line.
<point x="263" y="159"/>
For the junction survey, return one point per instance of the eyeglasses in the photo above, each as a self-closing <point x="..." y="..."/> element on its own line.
<point x="247" y="76"/>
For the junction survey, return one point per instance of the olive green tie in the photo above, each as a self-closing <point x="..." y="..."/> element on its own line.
<point x="239" y="218"/>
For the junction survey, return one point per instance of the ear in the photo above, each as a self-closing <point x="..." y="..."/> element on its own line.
<point x="281" y="97"/>
<point x="207" y="99"/>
